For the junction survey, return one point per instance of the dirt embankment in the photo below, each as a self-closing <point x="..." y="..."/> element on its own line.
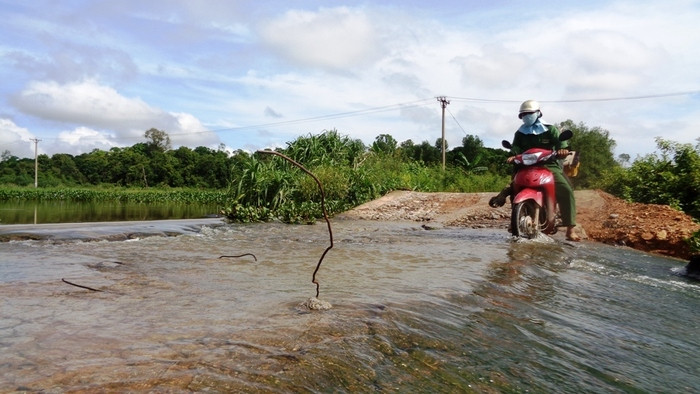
<point x="601" y="217"/>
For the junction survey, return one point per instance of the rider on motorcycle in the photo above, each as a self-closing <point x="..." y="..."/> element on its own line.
<point x="535" y="134"/>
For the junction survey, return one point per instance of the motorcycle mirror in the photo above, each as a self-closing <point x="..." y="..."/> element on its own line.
<point x="565" y="135"/>
<point x="506" y="144"/>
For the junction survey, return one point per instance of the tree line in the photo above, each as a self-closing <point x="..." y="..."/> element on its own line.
<point x="146" y="164"/>
<point x="353" y="172"/>
<point x="154" y="164"/>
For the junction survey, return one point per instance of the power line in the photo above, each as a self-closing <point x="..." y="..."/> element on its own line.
<point x="424" y="101"/>
<point x="417" y="103"/>
<point x="641" y="97"/>
<point x="348" y="114"/>
<point x="649" y="96"/>
<point x="386" y="108"/>
<point x="456" y="121"/>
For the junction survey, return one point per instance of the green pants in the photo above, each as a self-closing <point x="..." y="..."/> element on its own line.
<point x="565" y="196"/>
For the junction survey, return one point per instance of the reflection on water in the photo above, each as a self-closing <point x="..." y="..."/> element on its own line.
<point x="36" y="212"/>
<point x="413" y="310"/>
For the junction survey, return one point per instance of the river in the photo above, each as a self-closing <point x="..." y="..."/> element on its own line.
<point x="446" y="310"/>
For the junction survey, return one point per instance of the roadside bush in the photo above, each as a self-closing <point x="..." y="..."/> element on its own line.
<point x="669" y="177"/>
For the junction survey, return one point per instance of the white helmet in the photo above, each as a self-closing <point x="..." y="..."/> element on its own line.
<point x="527" y="107"/>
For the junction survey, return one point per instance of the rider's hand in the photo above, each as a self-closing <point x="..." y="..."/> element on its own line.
<point x="562" y="153"/>
<point x="510" y="159"/>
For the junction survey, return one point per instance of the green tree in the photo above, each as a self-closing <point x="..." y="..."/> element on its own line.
<point x="64" y="169"/>
<point x="495" y="161"/>
<point x="472" y="147"/>
<point x="623" y="159"/>
<point x="186" y="163"/>
<point x="423" y="153"/>
<point x="157" y="140"/>
<point x="129" y="166"/>
<point x="384" y="143"/>
<point x="438" y="145"/>
<point x="46" y="177"/>
<point x="93" y="166"/>
<point x="212" y="168"/>
<point x="595" y="149"/>
<point x="469" y="155"/>
<point x="16" y="171"/>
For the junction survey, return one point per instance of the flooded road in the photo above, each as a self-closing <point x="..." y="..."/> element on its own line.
<point x="448" y="310"/>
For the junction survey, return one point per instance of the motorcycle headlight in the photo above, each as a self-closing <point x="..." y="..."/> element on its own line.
<point x="530" y="158"/>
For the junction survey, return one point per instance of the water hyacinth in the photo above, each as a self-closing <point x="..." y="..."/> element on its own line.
<point x="115" y="194"/>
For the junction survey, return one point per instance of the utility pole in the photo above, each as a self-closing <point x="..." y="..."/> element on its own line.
<point x="443" y="103"/>
<point x="36" y="161"/>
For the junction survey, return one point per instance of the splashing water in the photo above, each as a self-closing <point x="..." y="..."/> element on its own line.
<point x="540" y="237"/>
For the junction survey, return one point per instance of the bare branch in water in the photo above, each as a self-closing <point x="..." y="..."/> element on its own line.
<point x="323" y="207"/>
<point x="81" y="286"/>
<point x="240" y="255"/>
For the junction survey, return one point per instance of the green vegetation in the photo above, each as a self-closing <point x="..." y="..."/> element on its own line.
<point x="670" y="176"/>
<point x="265" y="186"/>
<point x="255" y="187"/>
<point x="131" y="195"/>
<point x="595" y="147"/>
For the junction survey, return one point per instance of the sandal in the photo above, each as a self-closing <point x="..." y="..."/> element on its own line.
<point x="497" y="201"/>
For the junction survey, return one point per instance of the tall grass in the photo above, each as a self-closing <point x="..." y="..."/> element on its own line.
<point x="265" y="188"/>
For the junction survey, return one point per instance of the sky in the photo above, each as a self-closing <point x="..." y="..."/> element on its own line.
<point x="84" y="75"/>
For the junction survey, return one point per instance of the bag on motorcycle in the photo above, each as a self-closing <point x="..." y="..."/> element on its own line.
<point x="571" y="164"/>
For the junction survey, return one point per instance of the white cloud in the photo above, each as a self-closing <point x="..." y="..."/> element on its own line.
<point x="494" y="68"/>
<point x="186" y="130"/>
<point x="185" y="68"/>
<point x="94" y="106"/>
<point x="15" y="139"/>
<point x="338" y="38"/>
<point x="80" y="140"/>
<point x="85" y="102"/>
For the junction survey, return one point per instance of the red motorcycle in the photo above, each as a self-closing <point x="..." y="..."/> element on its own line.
<point x="534" y="200"/>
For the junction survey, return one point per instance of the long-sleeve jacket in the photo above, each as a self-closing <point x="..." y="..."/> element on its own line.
<point x="547" y="140"/>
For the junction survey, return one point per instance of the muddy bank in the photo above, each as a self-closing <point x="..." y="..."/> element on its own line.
<point x="601" y="217"/>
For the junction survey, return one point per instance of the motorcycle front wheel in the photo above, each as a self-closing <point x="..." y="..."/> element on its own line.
<point x="524" y="219"/>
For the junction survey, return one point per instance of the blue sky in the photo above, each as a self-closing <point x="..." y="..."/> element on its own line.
<point x="84" y="75"/>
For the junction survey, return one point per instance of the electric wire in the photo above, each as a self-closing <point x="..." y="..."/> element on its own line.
<point x="373" y="110"/>
<point x="411" y="104"/>
<point x="624" y="98"/>
<point x="385" y="108"/>
<point x="456" y="121"/>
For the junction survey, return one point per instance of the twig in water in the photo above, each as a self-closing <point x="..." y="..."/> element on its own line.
<point x="241" y="255"/>
<point x="81" y="286"/>
<point x="323" y="207"/>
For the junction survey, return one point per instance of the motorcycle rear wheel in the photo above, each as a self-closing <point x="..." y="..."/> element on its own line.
<point x="524" y="219"/>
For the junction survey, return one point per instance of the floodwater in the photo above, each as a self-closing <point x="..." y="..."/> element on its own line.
<point x="447" y="310"/>
<point x="41" y="212"/>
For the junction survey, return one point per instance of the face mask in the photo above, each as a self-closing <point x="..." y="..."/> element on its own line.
<point x="530" y="119"/>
